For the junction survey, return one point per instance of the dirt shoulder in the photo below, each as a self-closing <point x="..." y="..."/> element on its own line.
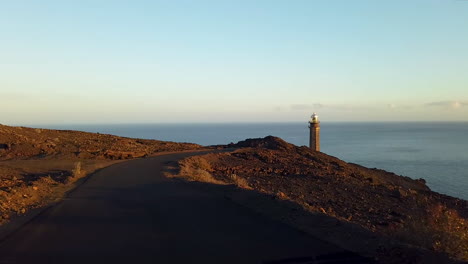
<point x="29" y="184"/>
<point x="392" y="218"/>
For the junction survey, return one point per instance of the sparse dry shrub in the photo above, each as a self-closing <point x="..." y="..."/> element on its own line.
<point x="202" y="164"/>
<point x="197" y="169"/>
<point x="440" y="229"/>
<point x="202" y="176"/>
<point x="240" y="182"/>
<point x="77" y="170"/>
<point x="195" y="163"/>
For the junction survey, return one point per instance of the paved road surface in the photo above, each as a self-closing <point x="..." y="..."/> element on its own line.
<point x="130" y="213"/>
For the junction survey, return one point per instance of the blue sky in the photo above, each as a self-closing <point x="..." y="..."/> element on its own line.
<point x="232" y="61"/>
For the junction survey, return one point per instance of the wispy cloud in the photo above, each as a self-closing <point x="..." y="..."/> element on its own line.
<point x="319" y="106"/>
<point x="399" y="107"/>
<point x="300" y="107"/>
<point x="447" y="104"/>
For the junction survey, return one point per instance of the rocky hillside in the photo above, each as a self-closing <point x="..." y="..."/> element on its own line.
<point x="37" y="166"/>
<point x="23" y="143"/>
<point x="380" y="201"/>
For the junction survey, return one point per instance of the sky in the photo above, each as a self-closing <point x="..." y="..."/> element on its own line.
<point x="113" y="61"/>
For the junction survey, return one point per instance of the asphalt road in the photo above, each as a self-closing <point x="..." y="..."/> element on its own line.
<point x="131" y="213"/>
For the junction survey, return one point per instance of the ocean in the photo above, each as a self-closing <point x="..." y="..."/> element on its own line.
<point x="436" y="152"/>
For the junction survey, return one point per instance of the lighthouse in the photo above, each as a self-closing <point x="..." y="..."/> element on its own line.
<point x="314" y="126"/>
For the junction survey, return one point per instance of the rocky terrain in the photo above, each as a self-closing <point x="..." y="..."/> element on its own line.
<point x="392" y="218"/>
<point x="37" y="166"/>
<point x="395" y="207"/>
<point x="26" y="143"/>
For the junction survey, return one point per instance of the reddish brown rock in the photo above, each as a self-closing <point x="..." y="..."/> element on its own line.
<point x="380" y="201"/>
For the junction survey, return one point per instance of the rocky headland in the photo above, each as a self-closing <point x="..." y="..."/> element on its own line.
<point x="392" y="218"/>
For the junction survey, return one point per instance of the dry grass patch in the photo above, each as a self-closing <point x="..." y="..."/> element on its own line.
<point x="197" y="169"/>
<point x="240" y="182"/>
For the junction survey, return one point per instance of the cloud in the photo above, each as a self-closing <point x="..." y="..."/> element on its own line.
<point x="399" y="107"/>
<point x="337" y="107"/>
<point x="447" y="104"/>
<point x="300" y="107"/>
<point x="342" y="107"/>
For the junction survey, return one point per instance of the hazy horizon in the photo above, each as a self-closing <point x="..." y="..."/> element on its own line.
<point x="65" y="124"/>
<point x="96" y="62"/>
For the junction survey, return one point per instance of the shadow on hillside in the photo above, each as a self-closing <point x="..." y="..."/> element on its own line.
<point x="56" y="175"/>
<point x="343" y="234"/>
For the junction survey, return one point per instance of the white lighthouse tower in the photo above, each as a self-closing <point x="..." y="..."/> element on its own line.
<point x="314" y="126"/>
